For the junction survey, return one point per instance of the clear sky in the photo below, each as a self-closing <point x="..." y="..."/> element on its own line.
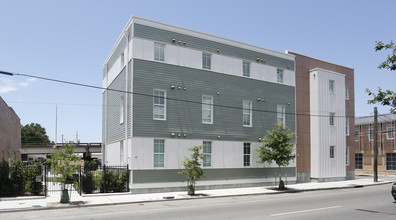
<point x="70" y="40"/>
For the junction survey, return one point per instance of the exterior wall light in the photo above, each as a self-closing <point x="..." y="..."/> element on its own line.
<point x="172" y="86"/>
<point x="172" y="134"/>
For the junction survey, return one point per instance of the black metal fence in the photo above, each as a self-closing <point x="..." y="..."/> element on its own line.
<point x="18" y="179"/>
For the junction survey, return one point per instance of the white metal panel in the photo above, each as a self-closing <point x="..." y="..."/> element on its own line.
<point x="148" y="50"/>
<point x="113" y="154"/>
<point x="184" y="56"/>
<point x="171" y="54"/>
<point x="237" y="67"/>
<point x="196" y="59"/>
<point x="227" y="65"/>
<point x="138" y="48"/>
<point x="217" y="63"/>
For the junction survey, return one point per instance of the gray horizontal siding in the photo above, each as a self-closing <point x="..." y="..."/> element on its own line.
<point x="185" y="117"/>
<point x="166" y="36"/>
<point x="116" y="131"/>
<point x="170" y="175"/>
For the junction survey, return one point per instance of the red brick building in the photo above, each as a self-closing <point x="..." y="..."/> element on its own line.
<point x="10" y="133"/>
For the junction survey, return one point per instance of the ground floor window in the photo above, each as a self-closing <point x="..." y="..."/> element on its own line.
<point x="391" y="161"/>
<point x="159" y="153"/>
<point x="246" y="154"/>
<point x="207" y="150"/>
<point x="359" y="161"/>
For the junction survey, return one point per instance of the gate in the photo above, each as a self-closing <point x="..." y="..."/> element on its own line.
<point x="54" y="188"/>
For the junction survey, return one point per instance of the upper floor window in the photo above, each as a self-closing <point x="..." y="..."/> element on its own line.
<point x="159" y="153"/>
<point x="122" y="103"/>
<point x="332" y="114"/>
<point x="347" y="126"/>
<point x="246" y="69"/>
<point x="159" y="52"/>
<point x="331" y="86"/>
<point x="279" y="75"/>
<point x="390" y="131"/>
<point x="247" y="113"/>
<point x="207" y="109"/>
<point x="346" y="93"/>
<point x="207" y="61"/>
<point x="356" y="134"/>
<point x="371" y="132"/>
<point x="159" y="104"/>
<point x="207" y="150"/>
<point x="280" y="114"/>
<point x="332" y="151"/>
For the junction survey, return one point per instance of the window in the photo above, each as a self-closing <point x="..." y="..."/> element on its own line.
<point x="159" y="52"/>
<point x="356" y="134"/>
<point x="159" y="152"/>
<point x="247" y="113"/>
<point x="159" y="104"/>
<point x="347" y="126"/>
<point x="246" y="154"/>
<point x="390" y="131"/>
<point x="332" y="149"/>
<point x="331" y="86"/>
<point x="346" y="93"/>
<point x="122" y="152"/>
<point x="371" y="132"/>
<point x="280" y="114"/>
<point x="347" y="155"/>
<point x="207" y="109"/>
<point x="206" y="61"/>
<point x="246" y="69"/>
<point x="391" y="161"/>
<point x="279" y="75"/>
<point x="332" y="114"/>
<point x="207" y="150"/>
<point x="122" y="59"/>
<point x="359" y="161"/>
<point x="122" y="103"/>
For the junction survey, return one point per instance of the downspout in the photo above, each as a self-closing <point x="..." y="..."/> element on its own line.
<point x="126" y="34"/>
<point x="104" y="161"/>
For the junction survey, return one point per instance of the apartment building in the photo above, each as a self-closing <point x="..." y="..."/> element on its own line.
<point x="10" y="133"/>
<point x="171" y="88"/>
<point x="364" y="138"/>
<point x="325" y="120"/>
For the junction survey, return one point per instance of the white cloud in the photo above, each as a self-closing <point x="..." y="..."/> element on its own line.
<point x="8" y="85"/>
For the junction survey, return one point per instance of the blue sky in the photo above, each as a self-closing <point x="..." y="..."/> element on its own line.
<point x="70" y="40"/>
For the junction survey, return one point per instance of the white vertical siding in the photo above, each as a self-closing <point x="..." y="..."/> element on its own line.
<point x="324" y="135"/>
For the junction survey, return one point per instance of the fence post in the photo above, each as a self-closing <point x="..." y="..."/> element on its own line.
<point x="128" y="177"/>
<point x="79" y="183"/>
<point x="104" y="178"/>
<point x="45" y="180"/>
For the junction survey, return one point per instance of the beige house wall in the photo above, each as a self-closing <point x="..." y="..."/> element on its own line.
<point x="10" y="133"/>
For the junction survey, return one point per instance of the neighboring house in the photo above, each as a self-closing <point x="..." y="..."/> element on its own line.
<point x="364" y="137"/>
<point x="10" y="133"/>
<point x="187" y="88"/>
<point x="325" y="120"/>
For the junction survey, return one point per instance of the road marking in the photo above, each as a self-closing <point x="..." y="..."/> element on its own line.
<point x="308" y="210"/>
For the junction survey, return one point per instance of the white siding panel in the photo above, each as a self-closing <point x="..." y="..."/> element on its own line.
<point x="184" y="56"/>
<point x="237" y="67"/>
<point x="113" y="154"/>
<point x="148" y="50"/>
<point x="172" y="54"/>
<point x="217" y="63"/>
<point x="138" y="45"/>
<point x="196" y="59"/>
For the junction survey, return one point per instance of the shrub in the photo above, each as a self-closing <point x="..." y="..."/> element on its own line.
<point x="4" y="179"/>
<point x="87" y="179"/>
<point x="18" y="177"/>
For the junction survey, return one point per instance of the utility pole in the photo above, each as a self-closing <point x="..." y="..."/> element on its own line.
<point x="375" y="145"/>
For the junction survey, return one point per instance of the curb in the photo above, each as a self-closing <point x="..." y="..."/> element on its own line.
<point x="169" y="198"/>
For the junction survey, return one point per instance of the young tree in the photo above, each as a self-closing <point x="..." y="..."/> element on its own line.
<point x="387" y="97"/>
<point x="278" y="146"/>
<point x="192" y="168"/>
<point x="65" y="163"/>
<point x="33" y="133"/>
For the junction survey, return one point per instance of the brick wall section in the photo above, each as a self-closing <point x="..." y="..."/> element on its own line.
<point x="10" y="132"/>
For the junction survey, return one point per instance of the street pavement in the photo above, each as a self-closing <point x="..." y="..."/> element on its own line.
<point x="52" y="200"/>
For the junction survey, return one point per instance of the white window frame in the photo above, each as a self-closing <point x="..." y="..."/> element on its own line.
<point x="159" y="105"/>
<point x="390" y="131"/>
<point x="371" y="132"/>
<point x="247" y="155"/>
<point x="246" y="68"/>
<point x="279" y="75"/>
<point x="206" y="63"/>
<point x="331" y="86"/>
<point x="121" y="152"/>
<point x="332" y="152"/>
<point x="332" y="114"/>
<point x="205" y="108"/>
<point x="347" y="161"/>
<point x="347" y="126"/>
<point x="207" y="151"/>
<point x="247" y="112"/>
<point x="122" y="106"/>
<point x="357" y="134"/>
<point x="281" y="114"/>
<point x="159" y="154"/>
<point x="346" y="93"/>
<point x="159" y="52"/>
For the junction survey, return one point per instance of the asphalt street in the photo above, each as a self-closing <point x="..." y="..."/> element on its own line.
<point x="373" y="202"/>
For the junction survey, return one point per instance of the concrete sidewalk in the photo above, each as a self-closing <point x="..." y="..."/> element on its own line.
<point x="52" y="201"/>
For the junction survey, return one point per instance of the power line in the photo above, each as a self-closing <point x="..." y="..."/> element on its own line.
<point x="167" y="98"/>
